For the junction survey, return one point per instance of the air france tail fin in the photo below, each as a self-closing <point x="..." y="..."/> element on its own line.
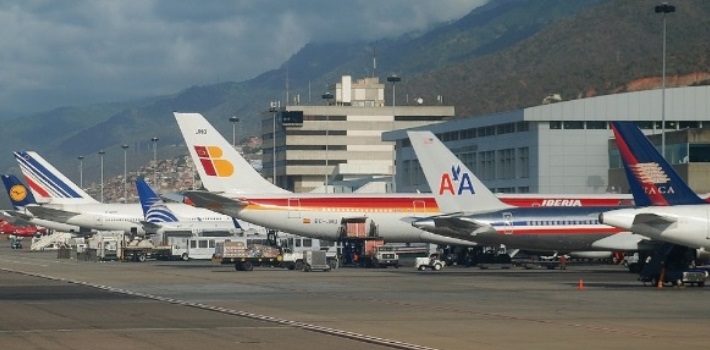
<point x="154" y="209"/>
<point x="46" y="182"/>
<point x="221" y="167"/>
<point x="651" y="178"/>
<point x="19" y="194"/>
<point x="455" y="187"/>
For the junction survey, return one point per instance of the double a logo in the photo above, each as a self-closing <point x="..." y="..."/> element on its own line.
<point x="456" y="182"/>
<point x="212" y="162"/>
<point x="652" y="177"/>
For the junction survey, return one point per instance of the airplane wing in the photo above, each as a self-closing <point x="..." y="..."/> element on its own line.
<point x="215" y="202"/>
<point x="50" y="214"/>
<point x="13" y="216"/>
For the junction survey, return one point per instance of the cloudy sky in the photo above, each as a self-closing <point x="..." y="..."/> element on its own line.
<point x="65" y="53"/>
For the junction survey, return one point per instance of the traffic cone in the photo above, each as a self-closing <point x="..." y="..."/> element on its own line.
<point x="581" y="285"/>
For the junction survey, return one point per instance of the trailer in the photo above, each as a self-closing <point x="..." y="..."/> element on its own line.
<point x="245" y="254"/>
<point x="143" y="249"/>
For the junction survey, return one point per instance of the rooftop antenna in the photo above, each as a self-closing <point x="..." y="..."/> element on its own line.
<point x="287" y="97"/>
<point x="374" y="61"/>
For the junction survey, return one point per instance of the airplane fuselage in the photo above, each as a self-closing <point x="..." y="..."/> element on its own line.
<point x="544" y="229"/>
<point x="687" y="225"/>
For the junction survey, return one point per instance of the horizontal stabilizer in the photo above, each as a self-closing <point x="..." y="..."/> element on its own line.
<point x="649" y="220"/>
<point x="463" y="225"/>
<point x="215" y="202"/>
<point x="52" y="214"/>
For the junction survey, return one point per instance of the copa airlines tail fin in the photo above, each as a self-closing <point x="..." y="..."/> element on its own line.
<point x="221" y="167"/>
<point x="19" y="194"/>
<point x="154" y="209"/>
<point x="455" y="187"/>
<point x="651" y="178"/>
<point x="47" y="183"/>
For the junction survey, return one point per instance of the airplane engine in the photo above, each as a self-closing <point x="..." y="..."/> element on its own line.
<point x="702" y="255"/>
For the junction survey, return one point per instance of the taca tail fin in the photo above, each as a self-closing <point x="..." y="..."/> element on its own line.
<point x="47" y="183"/>
<point x="455" y="187"/>
<point x="20" y="195"/>
<point x="652" y="179"/>
<point x="221" y="167"/>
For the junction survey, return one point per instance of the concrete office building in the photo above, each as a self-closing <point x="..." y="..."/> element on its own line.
<point x="339" y="142"/>
<point x="560" y="147"/>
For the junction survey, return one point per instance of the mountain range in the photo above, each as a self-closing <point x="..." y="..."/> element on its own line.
<point x="504" y="55"/>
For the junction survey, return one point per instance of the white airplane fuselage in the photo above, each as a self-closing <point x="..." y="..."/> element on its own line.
<point x="125" y="217"/>
<point x="687" y="225"/>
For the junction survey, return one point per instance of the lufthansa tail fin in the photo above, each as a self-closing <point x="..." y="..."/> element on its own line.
<point x="47" y="183"/>
<point x="652" y="179"/>
<point x="154" y="209"/>
<point x="454" y="186"/>
<point x="19" y="194"/>
<point x="221" y="167"/>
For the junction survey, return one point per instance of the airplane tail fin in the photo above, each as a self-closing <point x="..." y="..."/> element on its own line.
<point x="221" y="167"/>
<point x="455" y="187"/>
<point x="19" y="194"/>
<point x="47" y="183"/>
<point x="154" y="209"/>
<point x="651" y="178"/>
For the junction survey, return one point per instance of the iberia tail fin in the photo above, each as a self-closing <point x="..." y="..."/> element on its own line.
<point x="455" y="187"/>
<point x="652" y="179"/>
<point x="47" y="183"/>
<point x="221" y="167"/>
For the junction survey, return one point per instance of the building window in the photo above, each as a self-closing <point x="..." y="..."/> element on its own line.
<point x="688" y="125"/>
<point x="506" y="164"/>
<point x="523" y="163"/>
<point x="555" y="125"/>
<point x="573" y="125"/>
<point x="596" y="125"/>
<point x="645" y="125"/>
<point x="487" y="165"/>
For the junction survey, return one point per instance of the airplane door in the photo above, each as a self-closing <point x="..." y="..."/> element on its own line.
<point x="100" y="221"/>
<point x="508" y="223"/>
<point x="294" y="208"/>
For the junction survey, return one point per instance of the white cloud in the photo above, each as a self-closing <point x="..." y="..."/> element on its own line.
<point x="68" y="53"/>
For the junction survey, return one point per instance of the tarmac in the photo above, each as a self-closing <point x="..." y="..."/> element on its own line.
<point x="50" y="303"/>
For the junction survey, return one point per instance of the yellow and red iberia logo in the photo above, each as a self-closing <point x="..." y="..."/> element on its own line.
<point x="212" y="162"/>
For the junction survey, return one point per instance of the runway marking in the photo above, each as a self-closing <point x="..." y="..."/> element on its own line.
<point x="295" y="324"/>
<point x="132" y="330"/>
<point x="13" y="261"/>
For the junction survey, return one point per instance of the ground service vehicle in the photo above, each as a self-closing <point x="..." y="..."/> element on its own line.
<point x="431" y="262"/>
<point x="315" y="260"/>
<point x="244" y="255"/>
<point x="142" y="250"/>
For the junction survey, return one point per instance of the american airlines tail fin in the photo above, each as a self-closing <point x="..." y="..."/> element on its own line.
<point x="46" y="182"/>
<point x="221" y="167"/>
<point x="651" y="178"/>
<point x="154" y="209"/>
<point x="19" y="194"/>
<point x="455" y="187"/>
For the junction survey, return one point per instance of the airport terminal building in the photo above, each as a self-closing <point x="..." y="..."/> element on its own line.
<point x="567" y="146"/>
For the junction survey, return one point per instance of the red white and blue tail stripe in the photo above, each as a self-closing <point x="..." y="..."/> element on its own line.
<point x="46" y="182"/>
<point x="652" y="179"/>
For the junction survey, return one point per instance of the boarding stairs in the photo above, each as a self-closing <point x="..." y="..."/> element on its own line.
<point x="45" y="241"/>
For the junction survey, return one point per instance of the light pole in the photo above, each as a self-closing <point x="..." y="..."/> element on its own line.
<point x="273" y="109"/>
<point x="101" y="155"/>
<point x="327" y="97"/>
<point x="81" y="171"/>
<point x="125" y="179"/>
<point x="664" y="8"/>
<point x="155" y="140"/>
<point x="394" y="79"/>
<point x="234" y="121"/>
